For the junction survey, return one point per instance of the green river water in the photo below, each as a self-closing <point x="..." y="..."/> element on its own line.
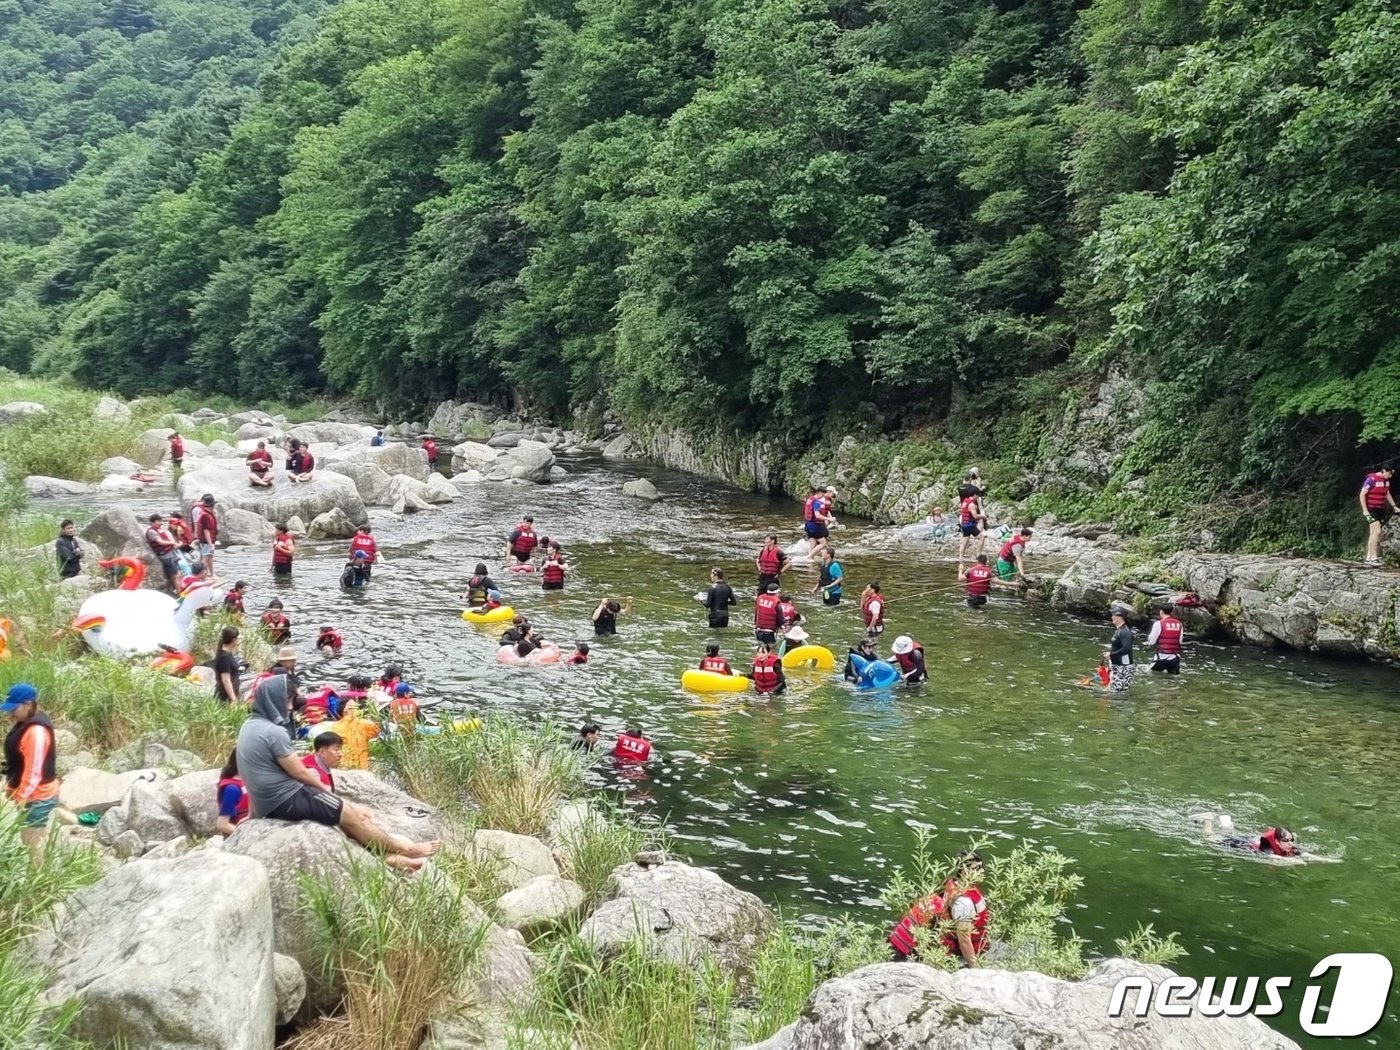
<point x="809" y="799"/>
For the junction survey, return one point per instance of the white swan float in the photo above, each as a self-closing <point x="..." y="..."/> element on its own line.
<point x="135" y="621"/>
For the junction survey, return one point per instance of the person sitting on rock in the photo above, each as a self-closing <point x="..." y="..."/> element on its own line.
<point x="232" y="797"/>
<point x="260" y="467"/>
<point x="280" y="787"/>
<point x="327" y="752"/>
<point x="300" y="462"/>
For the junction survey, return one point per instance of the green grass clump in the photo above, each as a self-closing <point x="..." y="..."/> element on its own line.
<point x="610" y="837"/>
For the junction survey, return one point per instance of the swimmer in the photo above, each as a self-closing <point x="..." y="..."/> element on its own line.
<point x="580" y="655"/>
<point x="1100" y="675"/>
<point x="482" y="591"/>
<point x="587" y="737"/>
<point x="865" y="649"/>
<point x="713" y="662"/>
<point x="767" y="675"/>
<point x="518" y="629"/>
<point x="329" y="641"/>
<point x="1276" y="841"/>
<point x="606" y="614"/>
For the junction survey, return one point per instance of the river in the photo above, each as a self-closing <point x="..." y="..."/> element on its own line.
<point x="809" y="799"/>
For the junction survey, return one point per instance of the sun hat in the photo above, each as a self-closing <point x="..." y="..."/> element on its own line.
<point x="903" y="645"/>
<point x="795" y="634"/>
<point x="286" y="653"/>
<point x="20" y="693"/>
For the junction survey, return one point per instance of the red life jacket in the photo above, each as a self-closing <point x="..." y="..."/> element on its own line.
<point x="318" y="706"/>
<point x="279" y="556"/>
<point x="430" y="447"/>
<point x="526" y="542"/>
<point x="327" y="778"/>
<point x="1169" y="637"/>
<point x="979" y="925"/>
<point x="365" y="543"/>
<point x="258" y="679"/>
<point x="331" y="638"/>
<point x="203" y="519"/>
<point x="553" y="571"/>
<point x="765" y="612"/>
<point x="177" y="448"/>
<point x="180" y="529"/>
<point x="1105" y="675"/>
<point x="808" y="509"/>
<point x="968" y="509"/>
<point x="1007" y="553"/>
<point x="906" y="661"/>
<point x="903" y="936"/>
<point x="979" y="580"/>
<point x="276" y="623"/>
<point x="241" y="813"/>
<point x="717" y="664"/>
<point x="787" y="611"/>
<point x="1269" y="843"/>
<point x="770" y="560"/>
<point x="632" y="748"/>
<point x="233" y="601"/>
<point x="765" y="673"/>
<point x="159" y="540"/>
<point x="260" y="461"/>
<point x="873" y="619"/>
<point x="1377" y="491"/>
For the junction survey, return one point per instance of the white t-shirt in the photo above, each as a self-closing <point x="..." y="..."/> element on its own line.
<point x="963" y="910"/>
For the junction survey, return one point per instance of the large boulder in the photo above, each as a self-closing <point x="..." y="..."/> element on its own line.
<point x="640" y="488"/>
<point x="288" y="853"/>
<point x="239" y="419"/>
<point x="19" y="411"/>
<point x="529" y="461"/>
<point x="110" y="410"/>
<point x="120" y="465"/>
<point x="194" y="799"/>
<point x="168" y="954"/>
<point x="335" y="433"/>
<point x="40" y="487"/>
<point x="257" y="431"/>
<point x="439" y="490"/>
<point x="152" y="446"/>
<point x="407" y="494"/>
<point x="621" y="447"/>
<point x="86" y="790"/>
<point x="285" y="500"/>
<point x="517" y="858"/>
<point x="905" y="1005"/>
<point x="394" y="810"/>
<point x="117" y="533"/>
<point x="539" y="904"/>
<point x="473" y="455"/>
<point x="683" y="913"/>
<point x="506" y="439"/>
<point x="146" y="812"/>
<point x="371" y="482"/>
<point x="243" y="528"/>
<point x="334" y="524"/>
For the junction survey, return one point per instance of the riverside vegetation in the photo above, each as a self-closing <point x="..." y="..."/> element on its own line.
<point x="402" y="947"/>
<point x="1001" y="232"/>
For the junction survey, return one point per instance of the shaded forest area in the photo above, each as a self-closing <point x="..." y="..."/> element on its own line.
<point x="951" y="218"/>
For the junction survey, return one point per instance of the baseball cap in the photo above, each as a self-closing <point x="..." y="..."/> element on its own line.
<point x="20" y="693"/>
<point x="361" y="554"/>
<point x="404" y="689"/>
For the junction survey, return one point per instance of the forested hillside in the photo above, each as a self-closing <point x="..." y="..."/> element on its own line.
<point x="948" y="216"/>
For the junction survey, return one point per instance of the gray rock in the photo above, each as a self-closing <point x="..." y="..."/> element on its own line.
<point x="40" y="487"/>
<point x="263" y="431"/>
<point x="295" y="525"/>
<point x="440" y="490"/>
<point x="152" y="446"/>
<point x="194" y="799"/>
<point x="406" y="494"/>
<point x="167" y="954"/>
<point x="243" y="528"/>
<point x="285" y="500"/>
<point x="110" y="410"/>
<point x="168" y="850"/>
<point x="641" y="488"/>
<point x="19" y="411"/>
<point x="128" y="844"/>
<point x="903" y="1005"/>
<point x="539" y="904"/>
<point x="394" y="810"/>
<point x="119" y="465"/>
<point x="621" y="447"/>
<point x="518" y="858"/>
<point x="238" y="419"/>
<point x="473" y="455"/>
<point x="289" y="984"/>
<point x="336" y="433"/>
<point x="505" y="439"/>
<point x="683" y="913"/>
<point x="371" y="482"/>
<point x="118" y="534"/>
<point x="332" y="525"/>
<point x="117" y="483"/>
<point x="87" y="790"/>
<point x="530" y="461"/>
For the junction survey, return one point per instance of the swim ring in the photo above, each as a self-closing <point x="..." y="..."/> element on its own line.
<point x="133" y="620"/>
<point x="700" y="681"/>
<point x="874" y="674"/>
<point x="548" y="653"/>
<point x="521" y="567"/>
<point x="816" y="656"/>
<point x="500" y="614"/>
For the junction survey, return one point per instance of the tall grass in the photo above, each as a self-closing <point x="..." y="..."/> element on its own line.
<point x="404" y="948"/>
<point x="632" y="1001"/>
<point x="609" y="837"/>
<point x="65" y="442"/>
<point x="515" y="774"/>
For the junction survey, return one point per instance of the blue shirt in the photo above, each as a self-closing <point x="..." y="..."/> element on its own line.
<point x="377" y="440"/>
<point x="229" y="798"/>
<point x="833" y="572"/>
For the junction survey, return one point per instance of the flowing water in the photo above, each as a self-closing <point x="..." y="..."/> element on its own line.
<point x="810" y="798"/>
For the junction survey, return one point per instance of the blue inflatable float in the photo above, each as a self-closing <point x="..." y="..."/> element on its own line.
<point x="873" y="674"/>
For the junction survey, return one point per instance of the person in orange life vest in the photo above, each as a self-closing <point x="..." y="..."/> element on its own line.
<point x="978" y="577"/>
<point x="552" y="574"/>
<point x="909" y="659"/>
<point x="968" y="912"/>
<point x="163" y="546"/>
<point x="580" y="655"/>
<point x="771" y="563"/>
<point x="364" y="541"/>
<point x="766" y="619"/>
<point x="327" y="752"/>
<point x="181" y="531"/>
<point x="605" y="616"/>
<point x="330" y="641"/>
<point x="713" y="662"/>
<point x="233" y="600"/>
<point x="177" y="450"/>
<point x="276" y="627"/>
<point x="284" y="549"/>
<point x="1166" y="635"/>
<point x="206" y="530"/>
<point x="260" y="467"/>
<point x="587" y="737"/>
<point x="430" y="447"/>
<point x="872" y="608"/>
<point x="1011" y="557"/>
<point x="904" y="938"/>
<point x="482" y="591"/>
<point x="632" y="746"/>
<point x="403" y="709"/>
<point x="300" y="462"/>
<point x="1377" y="505"/>
<point x="767" y="674"/>
<point x="31" y="766"/>
<point x="1101" y="675"/>
<point x="522" y="541"/>
<point x="231" y="797"/>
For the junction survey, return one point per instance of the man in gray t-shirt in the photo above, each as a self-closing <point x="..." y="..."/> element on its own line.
<point x="282" y="788"/>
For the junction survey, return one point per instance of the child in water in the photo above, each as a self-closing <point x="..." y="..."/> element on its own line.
<point x="580" y="655"/>
<point x="329" y="641"/>
<point x="1101" y="675"/>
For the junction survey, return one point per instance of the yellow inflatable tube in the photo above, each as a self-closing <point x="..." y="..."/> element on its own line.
<point x="711" y="682"/>
<point x="813" y="656"/>
<point x="503" y="614"/>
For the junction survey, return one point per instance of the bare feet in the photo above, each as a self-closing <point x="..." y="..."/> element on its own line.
<point x="423" y="849"/>
<point x="401" y="863"/>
